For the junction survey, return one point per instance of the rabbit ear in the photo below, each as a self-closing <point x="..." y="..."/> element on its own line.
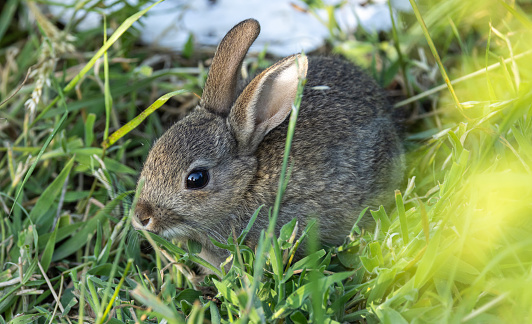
<point x="220" y="88"/>
<point x="266" y="101"/>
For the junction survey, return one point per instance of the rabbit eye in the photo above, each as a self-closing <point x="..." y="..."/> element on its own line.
<point x="197" y="179"/>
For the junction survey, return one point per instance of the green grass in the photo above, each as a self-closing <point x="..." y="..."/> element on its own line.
<point x="457" y="247"/>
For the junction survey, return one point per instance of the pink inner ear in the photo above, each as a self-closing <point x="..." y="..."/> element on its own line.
<point x="267" y="101"/>
<point x="277" y="92"/>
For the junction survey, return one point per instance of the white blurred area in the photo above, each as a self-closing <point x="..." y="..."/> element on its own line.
<point x="285" y="29"/>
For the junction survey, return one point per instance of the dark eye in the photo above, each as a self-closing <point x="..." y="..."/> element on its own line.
<point x="197" y="179"/>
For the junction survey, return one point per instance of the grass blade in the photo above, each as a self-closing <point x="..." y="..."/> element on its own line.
<point x="437" y="57"/>
<point x="520" y="16"/>
<point x="117" y="290"/>
<point x="57" y="127"/>
<point x="137" y="120"/>
<point x="7" y="14"/>
<point x="49" y="194"/>
<point x="402" y="216"/>
<point x="107" y="89"/>
<point x="46" y="258"/>
<point x="89" y="129"/>
<point x="145" y="297"/>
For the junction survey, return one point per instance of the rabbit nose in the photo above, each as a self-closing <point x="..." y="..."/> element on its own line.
<point x="143" y="212"/>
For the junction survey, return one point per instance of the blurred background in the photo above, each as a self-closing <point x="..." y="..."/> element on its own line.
<point x="288" y="27"/>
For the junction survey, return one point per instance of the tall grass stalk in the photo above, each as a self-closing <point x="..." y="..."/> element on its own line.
<point x="268" y="236"/>
<point x="436" y="56"/>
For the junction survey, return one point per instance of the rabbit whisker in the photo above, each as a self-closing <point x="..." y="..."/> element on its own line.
<point x="185" y="230"/>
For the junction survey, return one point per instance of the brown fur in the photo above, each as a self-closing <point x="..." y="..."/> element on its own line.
<point x="346" y="154"/>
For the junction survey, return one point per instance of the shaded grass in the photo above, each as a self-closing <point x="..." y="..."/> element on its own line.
<point x="455" y="249"/>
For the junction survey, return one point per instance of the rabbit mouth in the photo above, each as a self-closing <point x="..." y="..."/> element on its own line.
<point x="192" y="230"/>
<point x="174" y="233"/>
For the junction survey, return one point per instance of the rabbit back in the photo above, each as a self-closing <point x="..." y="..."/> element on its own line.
<point x="345" y="154"/>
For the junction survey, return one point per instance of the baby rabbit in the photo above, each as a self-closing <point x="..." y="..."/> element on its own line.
<point x="210" y="171"/>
